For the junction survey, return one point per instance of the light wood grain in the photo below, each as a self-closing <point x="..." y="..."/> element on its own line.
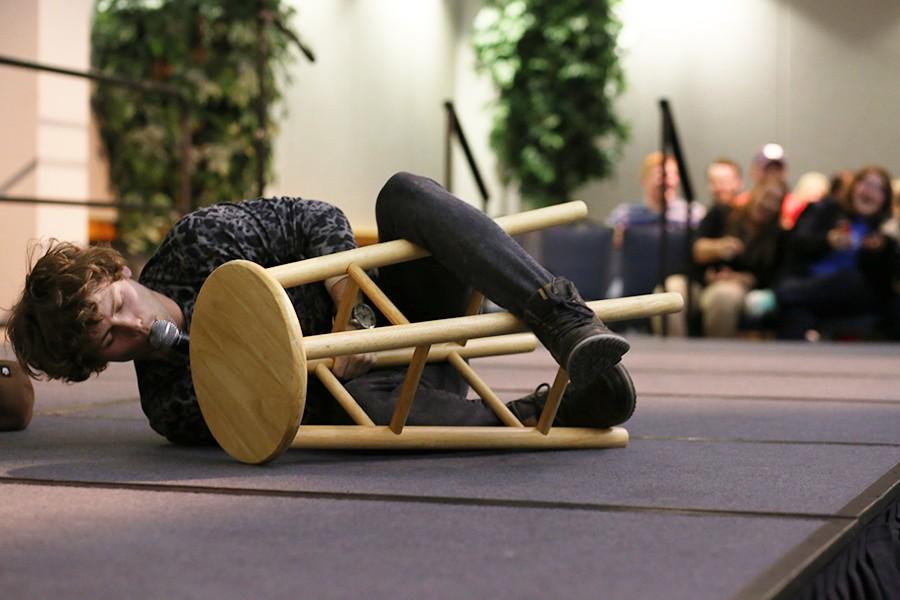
<point x="515" y="343"/>
<point x="247" y="362"/>
<point x="447" y="330"/>
<point x="419" y="437"/>
<point x="408" y="389"/>
<point x="554" y="399"/>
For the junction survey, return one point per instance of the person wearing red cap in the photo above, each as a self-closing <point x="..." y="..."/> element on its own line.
<point x="768" y="164"/>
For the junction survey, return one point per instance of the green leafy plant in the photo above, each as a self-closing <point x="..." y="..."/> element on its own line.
<point x="556" y="67"/>
<point x="207" y="50"/>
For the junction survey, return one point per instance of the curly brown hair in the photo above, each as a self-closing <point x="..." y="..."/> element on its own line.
<point x="49" y="327"/>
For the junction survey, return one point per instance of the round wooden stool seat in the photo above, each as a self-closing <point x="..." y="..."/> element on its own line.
<point x="248" y="362"/>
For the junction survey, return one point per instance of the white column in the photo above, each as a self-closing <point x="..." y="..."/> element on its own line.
<point x="44" y="118"/>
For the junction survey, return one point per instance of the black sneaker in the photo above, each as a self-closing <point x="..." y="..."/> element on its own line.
<point x="579" y="342"/>
<point x="528" y="409"/>
<point x="608" y="400"/>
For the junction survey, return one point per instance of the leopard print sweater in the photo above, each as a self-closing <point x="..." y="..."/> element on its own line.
<point x="266" y="231"/>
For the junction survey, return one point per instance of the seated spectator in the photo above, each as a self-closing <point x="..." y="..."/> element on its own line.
<point x="647" y="211"/>
<point x="840" y="185"/>
<point x="839" y="262"/>
<point x="767" y="164"/>
<point x="810" y="188"/>
<point x="891" y="228"/>
<point x="738" y="248"/>
<point x="724" y="178"/>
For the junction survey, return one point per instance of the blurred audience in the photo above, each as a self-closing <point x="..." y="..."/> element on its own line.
<point x="648" y="210"/>
<point x="810" y="188"/>
<point x="840" y="264"/>
<point x="769" y="163"/>
<point x="891" y="228"/>
<point x="840" y="184"/>
<point x="738" y="248"/>
<point x="724" y="178"/>
<point x="822" y="259"/>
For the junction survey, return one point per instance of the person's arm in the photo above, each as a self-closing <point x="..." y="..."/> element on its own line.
<point x="712" y="245"/>
<point x="324" y="229"/>
<point x="816" y="232"/>
<point x="354" y="365"/>
<point x="319" y="228"/>
<point x="710" y="250"/>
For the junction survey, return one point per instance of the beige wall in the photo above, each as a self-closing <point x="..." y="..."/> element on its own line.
<point x="371" y="105"/>
<point x="18" y="116"/>
<point x="44" y="118"/>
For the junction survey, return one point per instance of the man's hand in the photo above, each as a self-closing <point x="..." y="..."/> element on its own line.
<point x="729" y="247"/>
<point x="725" y="274"/>
<point x="354" y="365"/>
<point x="840" y="237"/>
<point x="873" y="242"/>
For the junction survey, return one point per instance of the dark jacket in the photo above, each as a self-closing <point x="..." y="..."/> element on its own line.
<point x="809" y="244"/>
<point x="763" y="251"/>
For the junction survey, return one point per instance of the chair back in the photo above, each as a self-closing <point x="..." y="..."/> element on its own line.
<point x="582" y="254"/>
<point x="640" y="257"/>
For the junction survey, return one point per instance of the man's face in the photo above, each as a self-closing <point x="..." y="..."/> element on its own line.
<point x="127" y="310"/>
<point x="724" y="183"/>
<point x="653" y="181"/>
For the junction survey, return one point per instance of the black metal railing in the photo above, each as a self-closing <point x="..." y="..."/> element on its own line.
<point x="455" y="129"/>
<point x="183" y="201"/>
<point x="670" y="142"/>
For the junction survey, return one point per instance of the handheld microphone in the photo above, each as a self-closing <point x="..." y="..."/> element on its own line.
<point x="165" y="335"/>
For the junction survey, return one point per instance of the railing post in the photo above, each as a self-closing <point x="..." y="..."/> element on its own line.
<point x="185" y="203"/>
<point x="454" y="127"/>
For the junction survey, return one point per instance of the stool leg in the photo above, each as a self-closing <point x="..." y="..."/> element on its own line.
<point x="553" y="400"/>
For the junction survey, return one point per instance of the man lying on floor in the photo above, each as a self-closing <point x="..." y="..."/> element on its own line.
<point x="81" y="308"/>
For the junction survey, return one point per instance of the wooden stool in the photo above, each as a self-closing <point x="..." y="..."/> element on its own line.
<point x="250" y="361"/>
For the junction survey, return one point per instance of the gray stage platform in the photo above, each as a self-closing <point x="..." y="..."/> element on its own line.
<point x="750" y="465"/>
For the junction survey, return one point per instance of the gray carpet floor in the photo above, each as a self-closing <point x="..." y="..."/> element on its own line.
<point x="749" y="463"/>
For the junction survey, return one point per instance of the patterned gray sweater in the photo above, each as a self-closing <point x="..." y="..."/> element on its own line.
<point x="266" y="231"/>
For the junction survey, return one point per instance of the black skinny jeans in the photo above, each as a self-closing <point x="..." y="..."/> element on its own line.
<point x="469" y="251"/>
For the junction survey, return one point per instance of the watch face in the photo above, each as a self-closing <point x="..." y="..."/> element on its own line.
<point x="363" y="316"/>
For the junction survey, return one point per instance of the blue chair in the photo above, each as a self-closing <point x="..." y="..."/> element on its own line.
<point x="639" y="259"/>
<point x="580" y="253"/>
<point x="638" y="264"/>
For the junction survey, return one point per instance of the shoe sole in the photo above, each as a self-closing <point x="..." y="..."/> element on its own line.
<point x="594" y="355"/>
<point x="623" y="387"/>
<point x="608" y="401"/>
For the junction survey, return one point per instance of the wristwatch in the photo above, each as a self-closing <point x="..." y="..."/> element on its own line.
<point x="362" y="316"/>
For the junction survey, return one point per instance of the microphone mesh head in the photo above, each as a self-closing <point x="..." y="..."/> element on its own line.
<point x="163" y="334"/>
